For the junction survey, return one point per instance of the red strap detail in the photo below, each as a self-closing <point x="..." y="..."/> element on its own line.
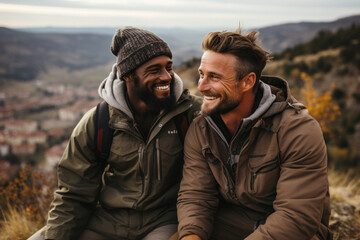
<point x="184" y="126"/>
<point x="99" y="139"/>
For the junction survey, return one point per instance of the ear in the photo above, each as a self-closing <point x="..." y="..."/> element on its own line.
<point x="249" y="81"/>
<point x="128" y="78"/>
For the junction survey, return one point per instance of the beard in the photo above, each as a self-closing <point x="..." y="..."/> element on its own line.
<point x="150" y="99"/>
<point x="222" y="107"/>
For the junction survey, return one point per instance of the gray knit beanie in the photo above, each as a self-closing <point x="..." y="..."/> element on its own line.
<point x="133" y="47"/>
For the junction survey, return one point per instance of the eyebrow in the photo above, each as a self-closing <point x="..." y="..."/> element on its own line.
<point x="210" y="73"/>
<point x="156" y="65"/>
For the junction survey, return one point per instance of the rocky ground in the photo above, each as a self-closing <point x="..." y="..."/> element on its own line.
<point x="345" y="221"/>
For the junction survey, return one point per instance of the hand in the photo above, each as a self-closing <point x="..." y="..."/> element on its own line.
<point x="191" y="237"/>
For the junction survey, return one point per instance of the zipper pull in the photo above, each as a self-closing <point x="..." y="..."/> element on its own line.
<point x="140" y="151"/>
<point x="233" y="194"/>
<point x="141" y="156"/>
<point x="158" y="160"/>
<point x="253" y="176"/>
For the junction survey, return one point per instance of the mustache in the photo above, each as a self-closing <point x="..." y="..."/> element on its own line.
<point x="210" y="93"/>
<point x="162" y="82"/>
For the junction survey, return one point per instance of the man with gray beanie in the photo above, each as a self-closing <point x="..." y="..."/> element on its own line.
<point x="133" y="195"/>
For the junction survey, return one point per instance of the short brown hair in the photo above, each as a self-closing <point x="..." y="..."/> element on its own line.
<point x="247" y="49"/>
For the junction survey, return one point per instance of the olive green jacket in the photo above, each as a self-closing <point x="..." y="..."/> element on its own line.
<point x="141" y="184"/>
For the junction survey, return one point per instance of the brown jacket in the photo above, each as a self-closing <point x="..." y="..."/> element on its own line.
<point x="281" y="173"/>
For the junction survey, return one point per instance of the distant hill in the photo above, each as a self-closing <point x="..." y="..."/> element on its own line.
<point x="185" y="43"/>
<point x="279" y="37"/>
<point x="25" y="53"/>
<point x="275" y="38"/>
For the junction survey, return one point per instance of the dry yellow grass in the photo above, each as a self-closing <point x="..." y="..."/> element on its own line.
<point x="345" y="187"/>
<point x="24" y="203"/>
<point x="22" y="219"/>
<point x="345" y="204"/>
<point x="17" y="224"/>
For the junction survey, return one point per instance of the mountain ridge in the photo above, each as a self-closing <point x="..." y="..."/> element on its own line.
<point x="302" y="31"/>
<point x="295" y="33"/>
<point x="30" y="52"/>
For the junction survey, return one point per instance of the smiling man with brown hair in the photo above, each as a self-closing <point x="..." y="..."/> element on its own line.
<point x="255" y="162"/>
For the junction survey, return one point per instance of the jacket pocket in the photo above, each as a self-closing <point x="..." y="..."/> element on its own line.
<point x="168" y="159"/>
<point x="263" y="176"/>
<point x="124" y="154"/>
<point x="221" y="174"/>
<point x="125" y="162"/>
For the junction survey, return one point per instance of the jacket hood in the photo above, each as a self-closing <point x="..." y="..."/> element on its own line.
<point x="275" y="98"/>
<point x="283" y="98"/>
<point x="112" y="90"/>
<point x="265" y="103"/>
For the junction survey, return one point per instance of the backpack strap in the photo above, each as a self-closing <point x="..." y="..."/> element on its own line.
<point x="103" y="133"/>
<point x="182" y="125"/>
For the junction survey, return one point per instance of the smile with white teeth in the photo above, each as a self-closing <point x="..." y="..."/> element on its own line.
<point x="163" y="87"/>
<point x="210" y="97"/>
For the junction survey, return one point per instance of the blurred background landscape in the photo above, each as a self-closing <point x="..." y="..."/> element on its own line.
<point x="49" y="78"/>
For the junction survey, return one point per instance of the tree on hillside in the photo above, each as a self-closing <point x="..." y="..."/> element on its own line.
<point x="321" y="107"/>
<point x="345" y="38"/>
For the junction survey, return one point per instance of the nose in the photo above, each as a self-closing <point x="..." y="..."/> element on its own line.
<point x="165" y="75"/>
<point x="203" y="85"/>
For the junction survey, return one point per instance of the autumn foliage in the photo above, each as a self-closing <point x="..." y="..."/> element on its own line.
<point x="321" y="107"/>
<point x="25" y="202"/>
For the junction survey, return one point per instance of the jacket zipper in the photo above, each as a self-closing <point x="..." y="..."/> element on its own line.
<point x="158" y="160"/>
<point x="231" y="187"/>
<point x="142" y="147"/>
<point x="231" y="184"/>
<point x="252" y="181"/>
<point x="141" y="153"/>
<point x="141" y="159"/>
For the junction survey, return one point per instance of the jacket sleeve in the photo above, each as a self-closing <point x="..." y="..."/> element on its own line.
<point x="302" y="186"/>
<point x="79" y="181"/>
<point x="198" y="195"/>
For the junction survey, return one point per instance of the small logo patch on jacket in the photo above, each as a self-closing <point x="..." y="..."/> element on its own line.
<point x="173" y="131"/>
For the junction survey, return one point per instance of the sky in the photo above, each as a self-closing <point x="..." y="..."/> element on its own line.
<point x="171" y="13"/>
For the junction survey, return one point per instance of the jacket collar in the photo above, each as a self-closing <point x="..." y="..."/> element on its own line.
<point x="276" y="97"/>
<point x="280" y="88"/>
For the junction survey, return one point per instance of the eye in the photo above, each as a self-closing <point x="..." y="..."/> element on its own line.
<point x="169" y="68"/>
<point x="201" y="75"/>
<point x="213" y="77"/>
<point x="153" y="70"/>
